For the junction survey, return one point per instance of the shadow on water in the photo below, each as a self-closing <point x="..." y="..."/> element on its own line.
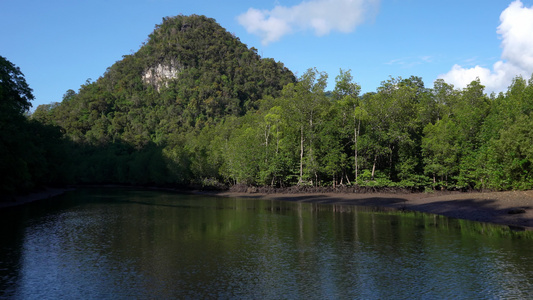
<point x="323" y="199"/>
<point x="478" y="210"/>
<point x="156" y="204"/>
<point x="485" y="213"/>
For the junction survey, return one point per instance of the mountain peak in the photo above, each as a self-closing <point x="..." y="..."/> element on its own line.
<point x="191" y="72"/>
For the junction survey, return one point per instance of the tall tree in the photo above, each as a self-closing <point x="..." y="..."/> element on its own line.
<point x="15" y="97"/>
<point x="15" y="94"/>
<point x="346" y="94"/>
<point x="31" y="154"/>
<point x="303" y="102"/>
<point x="394" y="127"/>
<point x="469" y="113"/>
<point x="438" y="143"/>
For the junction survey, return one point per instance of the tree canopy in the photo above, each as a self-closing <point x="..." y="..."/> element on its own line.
<point x="14" y="91"/>
<point x="30" y="152"/>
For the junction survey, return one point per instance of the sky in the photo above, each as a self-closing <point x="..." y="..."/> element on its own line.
<point x="60" y="44"/>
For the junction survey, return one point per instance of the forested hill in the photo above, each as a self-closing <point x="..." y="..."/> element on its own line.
<point x="190" y="73"/>
<point x="195" y="106"/>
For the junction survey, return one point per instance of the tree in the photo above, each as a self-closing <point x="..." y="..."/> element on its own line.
<point x="334" y="143"/>
<point x="513" y="156"/>
<point x="503" y="160"/>
<point x="439" y="147"/>
<point x="302" y="103"/>
<point x="15" y="94"/>
<point x="44" y="113"/>
<point x="15" y="97"/>
<point x="469" y="113"/>
<point x="394" y="128"/>
<point x="30" y="153"/>
<point x="346" y="94"/>
<point x="439" y="150"/>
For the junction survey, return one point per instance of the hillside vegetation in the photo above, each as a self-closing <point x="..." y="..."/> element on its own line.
<point x="195" y="106"/>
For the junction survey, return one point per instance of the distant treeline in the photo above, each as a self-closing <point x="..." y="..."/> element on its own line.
<point x="231" y="117"/>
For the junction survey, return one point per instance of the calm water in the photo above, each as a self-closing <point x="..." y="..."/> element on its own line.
<point x="113" y="244"/>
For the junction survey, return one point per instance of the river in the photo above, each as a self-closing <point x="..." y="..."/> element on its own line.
<point x="140" y="244"/>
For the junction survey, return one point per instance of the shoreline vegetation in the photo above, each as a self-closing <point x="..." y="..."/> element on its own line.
<point x="508" y="208"/>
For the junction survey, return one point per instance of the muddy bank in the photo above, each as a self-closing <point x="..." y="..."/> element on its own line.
<point x="514" y="208"/>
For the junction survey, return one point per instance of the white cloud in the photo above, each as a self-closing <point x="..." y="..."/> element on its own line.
<point x="321" y="16"/>
<point x="516" y="31"/>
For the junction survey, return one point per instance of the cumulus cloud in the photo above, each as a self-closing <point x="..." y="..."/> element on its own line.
<point x="516" y="31"/>
<point x="321" y="16"/>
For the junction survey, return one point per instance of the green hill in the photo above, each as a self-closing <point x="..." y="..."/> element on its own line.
<point x="190" y="73"/>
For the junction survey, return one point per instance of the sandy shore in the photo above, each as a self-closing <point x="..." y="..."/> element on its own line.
<point x="513" y="208"/>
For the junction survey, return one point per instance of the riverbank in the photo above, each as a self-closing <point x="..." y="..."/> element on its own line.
<point x="513" y="208"/>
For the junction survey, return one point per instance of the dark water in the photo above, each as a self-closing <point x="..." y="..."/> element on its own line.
<point x="124" y="244"/>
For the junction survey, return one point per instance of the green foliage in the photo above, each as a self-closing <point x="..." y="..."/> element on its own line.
<point x="303" y="104"/>
<point x="439" y="150"/>
<point x="31" y="153"/>
<point x="510" y="160"/>
<point x="15" y="94"/>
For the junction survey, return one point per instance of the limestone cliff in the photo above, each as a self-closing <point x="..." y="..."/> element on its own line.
<point x="159" y="75"/>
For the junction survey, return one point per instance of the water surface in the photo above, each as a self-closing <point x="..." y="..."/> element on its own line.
<point x="119" y="243"/>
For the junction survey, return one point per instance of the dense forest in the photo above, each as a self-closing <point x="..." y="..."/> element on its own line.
<point x="196" y="107"/>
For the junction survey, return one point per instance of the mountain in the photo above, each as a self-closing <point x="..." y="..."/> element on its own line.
<point x="190" y="73"/>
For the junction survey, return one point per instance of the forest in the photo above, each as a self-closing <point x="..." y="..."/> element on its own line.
<point x="195" y="107"/>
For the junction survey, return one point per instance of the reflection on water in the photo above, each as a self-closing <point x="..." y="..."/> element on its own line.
<point x="115" y="243"/>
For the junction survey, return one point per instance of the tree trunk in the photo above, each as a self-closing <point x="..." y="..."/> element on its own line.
<point x="300" y="180"/>
<point x="374" y="166"/>
<point x="391" y="172"/>
<point x="355" y="132"/>
<point x="267" y="135"/>
<point x="355" y="151"/>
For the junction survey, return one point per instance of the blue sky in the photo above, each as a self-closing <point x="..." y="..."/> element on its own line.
<point x="60" y="44"/>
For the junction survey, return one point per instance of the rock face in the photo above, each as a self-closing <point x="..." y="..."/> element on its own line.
<point x="160" y="74"/>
